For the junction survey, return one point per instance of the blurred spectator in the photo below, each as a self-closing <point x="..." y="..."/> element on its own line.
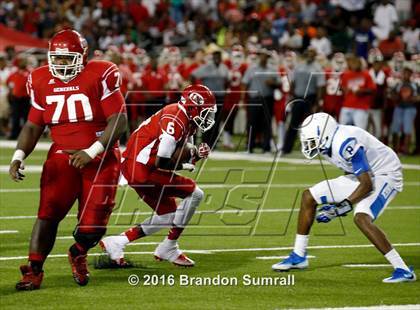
<point x="407" y="98"/>
<point x="259" y="80"/>
<point x="153" y="82"/>
<point x="321" y="43"/>
<point x="410" y="37"/>
<point x="18" y="97"/>
<point x="308" y="84"/>
<point x="177" y="10"/>
<point x="291" y="39"/>
<point x="5" y="71"/>
<point x="78" y="16"/>
<point x="391" y="45"/>
<point x="358" y="88"/>
<point x="385" y="18"/>
<point x="215" y="76"/>
<point x="378" y="75"/>
<point x="333" y="96"/>
<point x="363" y="39"/>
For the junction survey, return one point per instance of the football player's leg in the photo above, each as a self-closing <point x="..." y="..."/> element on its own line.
<point x="56" y="199"/>
<point x="366" y="212"/>
<point x="181" y="187"/>
<point x="96" y="202"/>
<point x="328" y="191"/>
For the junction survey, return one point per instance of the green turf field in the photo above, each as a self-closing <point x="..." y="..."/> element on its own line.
<point x="246" y="222"/>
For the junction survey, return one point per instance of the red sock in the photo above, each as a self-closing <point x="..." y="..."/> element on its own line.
<point x="134" y="233"/>
<point x="175" y="232"/>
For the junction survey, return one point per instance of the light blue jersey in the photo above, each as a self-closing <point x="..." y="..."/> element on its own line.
<point x="355" y="151"/>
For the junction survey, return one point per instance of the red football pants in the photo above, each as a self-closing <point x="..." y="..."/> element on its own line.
<point x="156" y="187"/>
<point x="94" y="186"/>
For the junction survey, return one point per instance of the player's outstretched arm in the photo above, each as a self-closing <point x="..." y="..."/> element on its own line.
<point x="116" y="126"/>
<point x="27" y="140"/>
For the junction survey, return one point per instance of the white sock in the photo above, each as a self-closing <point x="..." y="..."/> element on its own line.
<point x="123" y="239"/>
<point x="186" y="209"/>
<point x="155" y="223"/>
<point x="395" y="259"/>
<point x="301" y="242"/>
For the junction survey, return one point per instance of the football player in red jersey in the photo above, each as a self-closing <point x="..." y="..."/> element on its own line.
<point x="81" y="103"/>
<point x="149" y="167"/>
<point x="237" y="67"/>
<point x="333" y="96"/>
<point x="281" y="95"/>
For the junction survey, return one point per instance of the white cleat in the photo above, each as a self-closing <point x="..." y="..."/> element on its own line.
<point x="169" y="250"/>
<point x="114" y="247"/>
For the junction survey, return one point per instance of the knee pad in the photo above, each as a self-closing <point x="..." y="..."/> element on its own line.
<point x="87" y="240"/>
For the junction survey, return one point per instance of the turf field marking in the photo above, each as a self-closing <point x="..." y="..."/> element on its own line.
<point x="378" y="307"/>
<point x="367" y="265"/>
<point x="203" y="185"/>
<point x="8" y="232"/>
<point x="22" y="217"/>
<point x="212" y="251"/>
<point x="279" y="257"/>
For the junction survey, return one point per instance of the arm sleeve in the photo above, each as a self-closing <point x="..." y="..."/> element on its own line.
<point x="349" y="148"/>
<point x="36" y="113"/>
<point x="359" y="162"/>
<point x="112" y="100"/>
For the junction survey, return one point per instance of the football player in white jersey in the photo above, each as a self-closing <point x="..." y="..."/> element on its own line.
<point x="373" y="177"/>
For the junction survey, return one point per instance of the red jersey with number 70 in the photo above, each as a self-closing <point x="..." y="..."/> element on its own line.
<point x="77" y="111"/>
<point x="144" y="142"/>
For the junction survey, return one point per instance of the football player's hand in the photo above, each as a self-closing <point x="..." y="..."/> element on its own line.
<point x="79" y="159"/>
<point x="203" y="150"/>
<point x="14" y="170"/>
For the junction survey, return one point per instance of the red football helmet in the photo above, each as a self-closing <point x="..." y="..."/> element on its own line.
<point x="67" y="54"/>
<point x="200" y="104"/>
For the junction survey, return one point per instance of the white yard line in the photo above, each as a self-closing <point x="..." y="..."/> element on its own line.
<point x="209" y="186"/>
<point x="366" y="265"/>
<point x="22" y="217"/>
<point x="212" y="251"/>
<point x="378" y="307"/>
<point x="3" y="232"/>
<point x="217" y="155"/>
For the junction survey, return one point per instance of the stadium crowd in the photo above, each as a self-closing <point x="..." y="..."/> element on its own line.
<point x="357" y="60"/>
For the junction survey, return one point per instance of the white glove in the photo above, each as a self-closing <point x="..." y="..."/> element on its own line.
<point x="189" y="167"/>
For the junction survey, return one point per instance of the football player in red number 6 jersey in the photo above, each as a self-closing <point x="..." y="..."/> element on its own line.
<point x="150" y="161"/>
<point x="82" y="105"/>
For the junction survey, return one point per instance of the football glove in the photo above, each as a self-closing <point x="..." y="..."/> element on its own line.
<point x="329" y="212"/>
<point x="203" y="150"/>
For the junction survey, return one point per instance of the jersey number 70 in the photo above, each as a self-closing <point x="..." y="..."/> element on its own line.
<point x="60" y="100"/>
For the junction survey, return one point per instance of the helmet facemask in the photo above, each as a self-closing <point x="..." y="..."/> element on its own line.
<point x="67" y="69"/>
<point x="205" y="119"/>
<point x="310" y="147"/>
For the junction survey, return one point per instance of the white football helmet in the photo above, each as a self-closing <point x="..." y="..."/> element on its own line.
<point x="316" y="134"/>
